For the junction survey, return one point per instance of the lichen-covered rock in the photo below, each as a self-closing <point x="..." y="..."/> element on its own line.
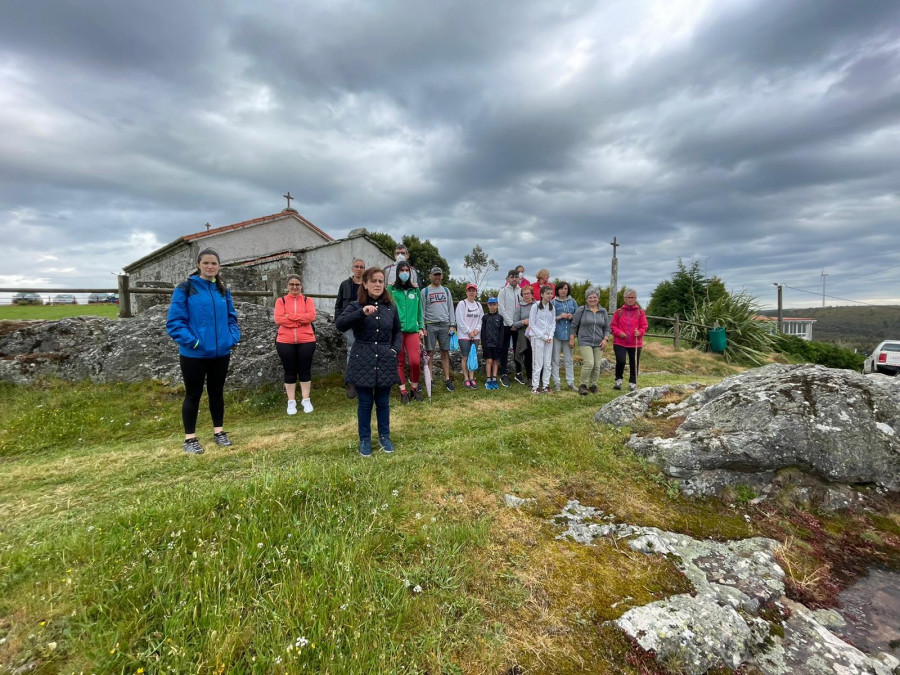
<point x="623" y="410"/>
<point x="132" y="350"/>
<point x="723" y="622"/>
<point x="693" y="634"/>
<point x="836" y="424"/>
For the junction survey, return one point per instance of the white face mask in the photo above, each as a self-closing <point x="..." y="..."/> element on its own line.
<point x="401" y="256"/>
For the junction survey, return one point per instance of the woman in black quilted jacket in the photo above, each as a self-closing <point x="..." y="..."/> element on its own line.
<point x="372" y="365"/>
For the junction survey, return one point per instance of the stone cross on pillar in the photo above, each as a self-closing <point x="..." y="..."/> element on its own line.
<point x="289" y="198"/>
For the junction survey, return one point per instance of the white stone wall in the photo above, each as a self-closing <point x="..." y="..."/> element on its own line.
<point x="259" y="240"/>
<point x="325" y="267"/>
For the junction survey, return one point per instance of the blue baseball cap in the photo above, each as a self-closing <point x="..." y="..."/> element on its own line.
<point x="492" y="301"/>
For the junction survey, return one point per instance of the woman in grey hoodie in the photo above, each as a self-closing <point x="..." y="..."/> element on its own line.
<point x="591" y="325"/>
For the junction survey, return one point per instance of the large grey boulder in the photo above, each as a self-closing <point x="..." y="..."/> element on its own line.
<point x="132" y="350"/>
<point x="834" y="424"/>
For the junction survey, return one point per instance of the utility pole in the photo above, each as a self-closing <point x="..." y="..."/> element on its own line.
<point x="613" y="279"/>
<point x="780" y="310"/>
<point x="823" y="286"/>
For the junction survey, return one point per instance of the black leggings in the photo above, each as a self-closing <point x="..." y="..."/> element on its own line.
<point x="195" y="372"/>
<point x="296" y="359"/>
<point x="634" y="359"/>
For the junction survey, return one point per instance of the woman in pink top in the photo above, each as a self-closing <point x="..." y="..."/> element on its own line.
<point x="628" y="326"/>
<point x="296" y="342"/>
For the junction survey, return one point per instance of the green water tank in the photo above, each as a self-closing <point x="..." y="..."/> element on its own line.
<point x="717" y="340"/>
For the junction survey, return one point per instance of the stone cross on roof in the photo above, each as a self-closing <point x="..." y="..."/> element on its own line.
<point x="289" y="198"/>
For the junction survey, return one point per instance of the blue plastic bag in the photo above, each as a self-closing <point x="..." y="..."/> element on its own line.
<point x="454" y="342"/>
<point x="472" y="363"/>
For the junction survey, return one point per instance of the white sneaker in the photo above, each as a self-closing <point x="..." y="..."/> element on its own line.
<point x="307" y="405"/>
<point x="292" y="408"/>
<point x="632" y="386"/>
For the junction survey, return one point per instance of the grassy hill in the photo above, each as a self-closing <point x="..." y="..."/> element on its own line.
<point x="859" y="327"/>
<point x="290" y="553"/>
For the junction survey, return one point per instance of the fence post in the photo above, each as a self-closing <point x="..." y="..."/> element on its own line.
<point x="124" y="298"/>
<point x="676" y="333"/>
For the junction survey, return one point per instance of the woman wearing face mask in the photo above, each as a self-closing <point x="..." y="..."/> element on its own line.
<point x="203" y="323"/>
<point x="296" y="343"/>
<point x="401" y="253"/>
<point x="372" y="367"/>
<point x="409" y="305"/>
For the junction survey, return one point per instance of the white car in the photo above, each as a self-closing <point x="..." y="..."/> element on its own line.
<point x="885" y="359"/>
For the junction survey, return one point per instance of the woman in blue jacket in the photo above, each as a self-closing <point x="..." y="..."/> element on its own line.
<point x="203" y="322"/>
<point x="564" y="306"/>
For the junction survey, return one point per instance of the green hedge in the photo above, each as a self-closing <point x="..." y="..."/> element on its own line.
<point x="819" y="352"/>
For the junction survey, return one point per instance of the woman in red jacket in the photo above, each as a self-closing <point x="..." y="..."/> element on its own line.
<point x="628" y="326"/>
<point x="296" y="342"/>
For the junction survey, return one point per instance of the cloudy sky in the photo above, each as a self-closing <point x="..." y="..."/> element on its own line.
<point x="761" y="137"/>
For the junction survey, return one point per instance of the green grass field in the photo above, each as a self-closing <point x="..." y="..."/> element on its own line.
<point x="51" y="312"/>
<point x="290" y="553"/>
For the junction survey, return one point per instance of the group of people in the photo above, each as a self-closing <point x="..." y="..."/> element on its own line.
<point x="386" y="317"/>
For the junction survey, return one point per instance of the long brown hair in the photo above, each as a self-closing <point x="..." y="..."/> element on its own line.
<point x="220" y="285"/>
<point x="363" y="295"/>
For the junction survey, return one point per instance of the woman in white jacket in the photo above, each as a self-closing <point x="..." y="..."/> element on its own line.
<point x="541" y="326"/>
<point x="468" y="327"/>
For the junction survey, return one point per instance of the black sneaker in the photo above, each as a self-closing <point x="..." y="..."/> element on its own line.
<point x="351" y="390"/>
<point x="221" y="439"/>
<point x="404" y="397"/>
<point x="520" y="378"/>
<point x="449" y="385"/>
<point x="192" y="446"/>
<point x="582" y="390"/>
<point x="417" y="394"/>
<point x="593" y="389"/>
<point x="504" y="380"/>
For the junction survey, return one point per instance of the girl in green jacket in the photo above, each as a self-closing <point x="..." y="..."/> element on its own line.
<point x="409" y="306"/>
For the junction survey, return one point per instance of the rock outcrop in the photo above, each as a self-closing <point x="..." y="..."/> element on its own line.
<point x="836" y="425"/>
<point x="131" y="350"/>
<point x="737" y="616"/>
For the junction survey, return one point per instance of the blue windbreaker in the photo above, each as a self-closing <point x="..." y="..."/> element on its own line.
<point x="201" y="320"/>
<point x="564" y="326"/>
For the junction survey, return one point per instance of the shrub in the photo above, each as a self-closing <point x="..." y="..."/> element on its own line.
<point x="749" y="340"/>
<point x="822" y="353"/>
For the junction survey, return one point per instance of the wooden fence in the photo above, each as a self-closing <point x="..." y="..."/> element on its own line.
<point x="675" y="337"/>
<point x="126" y="291"/>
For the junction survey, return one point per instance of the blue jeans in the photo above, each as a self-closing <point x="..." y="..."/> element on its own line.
<point x="366" y="397"/>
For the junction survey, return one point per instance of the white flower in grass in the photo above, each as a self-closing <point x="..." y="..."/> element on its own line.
<point x="90" y="528"/>
<point x="259" y="545"/>
<point x="300" y="643"/>
<point x="384" y="507"/>
<point x="277" y="660"/>
<point x="417" y="589"/>
<point x="418" y="515"/>
<point x="407" y="583"/>
<point x="395" y="493"/>
<point x="374" y="512"/>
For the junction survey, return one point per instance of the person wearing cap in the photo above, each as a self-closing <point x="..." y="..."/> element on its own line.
<point x="390" y="272"/>
<point x="468" y="320"/>
<point x="492" y="342"/>
<point x="440" y="320"/>
<point x="508" y="298"/>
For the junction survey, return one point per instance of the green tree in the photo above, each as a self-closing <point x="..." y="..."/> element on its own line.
<point x="385" y="242"/>
<point x="424" y="256"/>
<point x="479" y="264"/>
<point x="684" y="292"/>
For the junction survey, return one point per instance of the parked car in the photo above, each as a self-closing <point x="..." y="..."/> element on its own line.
<point x="98" y="298"/>
<point x="885" y="359"/>
<point x="27" y="299"/>
<point x="64" y="299"/>
<point x="113" y="298"/>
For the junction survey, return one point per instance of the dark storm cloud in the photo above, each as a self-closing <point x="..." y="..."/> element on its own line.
<point x="753" y="136"/>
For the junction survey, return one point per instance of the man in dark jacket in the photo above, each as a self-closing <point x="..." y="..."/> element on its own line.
<point x="347" y="293"/>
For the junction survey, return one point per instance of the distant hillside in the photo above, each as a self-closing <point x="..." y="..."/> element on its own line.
<point x="859" y="327"/>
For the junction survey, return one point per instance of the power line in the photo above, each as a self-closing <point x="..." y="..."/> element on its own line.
<point x="868" y="274"/>
<point x="832" y="297"/>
